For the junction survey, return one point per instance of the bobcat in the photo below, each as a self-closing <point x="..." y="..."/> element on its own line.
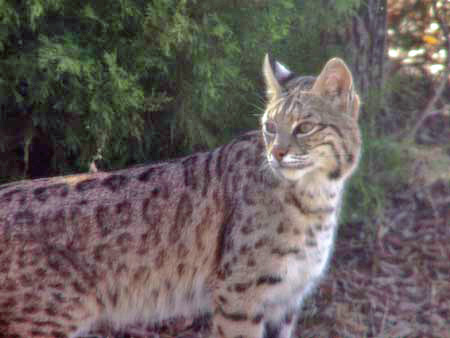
<point x="244" y="231"/>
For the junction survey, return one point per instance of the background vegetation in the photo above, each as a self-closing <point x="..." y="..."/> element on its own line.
<point x="130" y="81"/>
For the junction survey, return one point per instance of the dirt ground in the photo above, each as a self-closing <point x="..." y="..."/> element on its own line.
<point x="395" y="283"/>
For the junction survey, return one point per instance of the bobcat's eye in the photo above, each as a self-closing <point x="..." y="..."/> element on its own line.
<point x="270" y="127"/>
<point x="304" y="128"/>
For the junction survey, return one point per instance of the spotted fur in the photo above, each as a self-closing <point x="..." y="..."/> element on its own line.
<point x="243" y="232"/>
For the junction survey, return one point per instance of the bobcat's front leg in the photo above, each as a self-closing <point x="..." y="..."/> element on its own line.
<point x="235" y="316"/>
<point x="283" y="327"/>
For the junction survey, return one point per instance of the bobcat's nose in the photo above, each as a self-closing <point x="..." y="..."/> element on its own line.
<point x="279" y="152"/>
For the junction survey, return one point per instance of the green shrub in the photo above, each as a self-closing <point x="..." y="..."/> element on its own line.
<point x="383" y="170"/>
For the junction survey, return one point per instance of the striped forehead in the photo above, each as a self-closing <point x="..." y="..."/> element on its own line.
<point x="293" y="106"/>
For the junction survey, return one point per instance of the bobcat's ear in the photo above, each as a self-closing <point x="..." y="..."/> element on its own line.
<point x="335" y="82"/>
<point x="275" y="75"/>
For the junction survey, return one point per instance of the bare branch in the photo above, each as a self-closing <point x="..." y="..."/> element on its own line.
<point x="445" y="74"/>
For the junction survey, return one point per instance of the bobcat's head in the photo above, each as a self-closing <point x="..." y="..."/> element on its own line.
<point x="310" y="125"/>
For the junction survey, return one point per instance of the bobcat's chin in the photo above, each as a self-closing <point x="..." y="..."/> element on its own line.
<point x="291" y="172"/>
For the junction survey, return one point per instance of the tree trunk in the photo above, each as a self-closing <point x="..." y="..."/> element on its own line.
<point x="365" y="39"/>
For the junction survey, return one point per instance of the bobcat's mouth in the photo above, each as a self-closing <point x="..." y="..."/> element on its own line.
<point x="295" y="166"/>
<point x="290" y="170"/>
<point x="292" y="164"/>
